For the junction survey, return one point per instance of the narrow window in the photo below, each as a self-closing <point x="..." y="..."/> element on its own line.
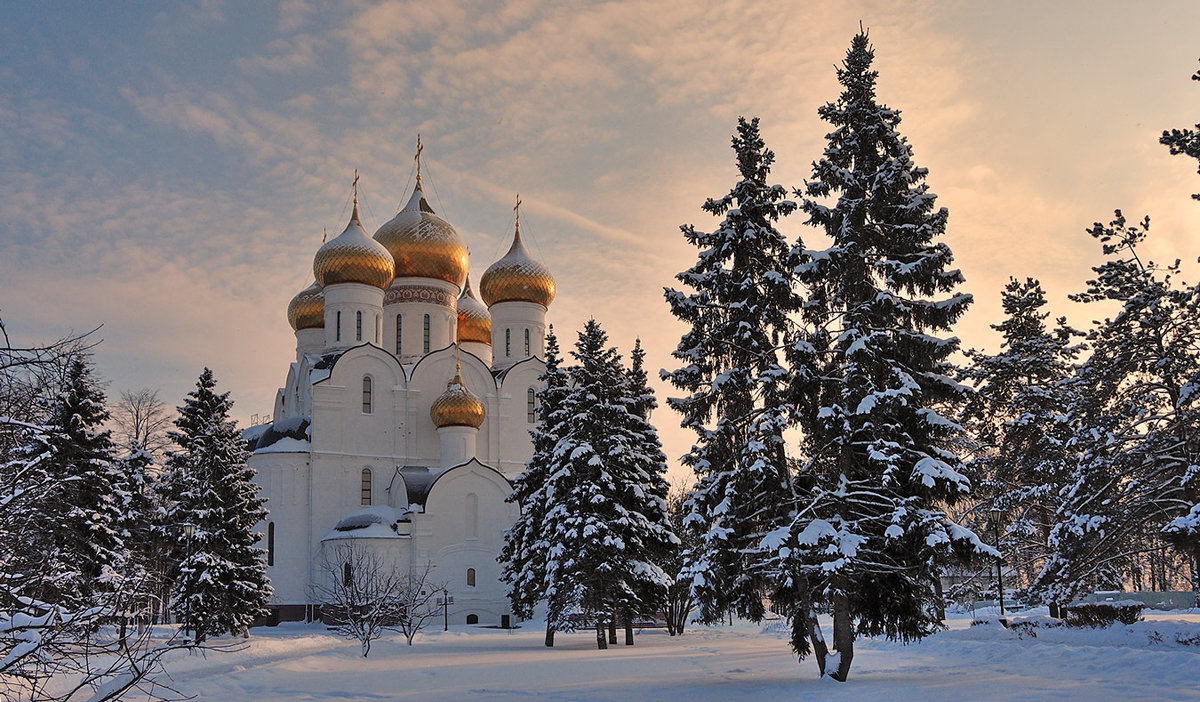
<point x="270" y="543"/>
<point x="472" y="618"/>
<point x="366" y="486"/>
<point x="426" y="332"/>
<point x="399" y="334"/>
<point x="377" y="329"/>
<point x="338" y="330"/>
<point x="530" y="406"/>
<point x="470" y="577"/>
<point x="507" y="343"/>
<point x="472" y="514"/>
<point x="347" y="575"/>
<point x="367" y="399"/>
<point x="358" y="326"/>
<point x="526" y="342"/>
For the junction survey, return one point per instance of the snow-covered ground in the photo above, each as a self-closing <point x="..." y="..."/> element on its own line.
<point x="297" y="662"/>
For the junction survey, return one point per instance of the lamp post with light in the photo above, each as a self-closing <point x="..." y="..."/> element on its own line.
<point x="188" y="531"/>
<point x="996" y="512"/>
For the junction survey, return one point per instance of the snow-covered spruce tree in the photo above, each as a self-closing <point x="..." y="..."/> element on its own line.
<point x="82" y="535"/>
<point x="872" y="533"/>
<point x="644" y="498"/>
<point x="601" y="547"/>
<point x="221" y="583"/>
<point x="1137" y="416"/>
<point x="736" y="306"/>
<point x="525" y="552"/>
<point x="1184" y="141"/>
<point x="1018" y="419"/>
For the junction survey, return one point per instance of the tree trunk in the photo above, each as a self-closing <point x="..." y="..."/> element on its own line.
<point x="601" y="639"/>
<point x="1055" y="609"/>
<point x="628" y="630"/>
<point x="820" y="649"/>
<point x="549" y="635"/>
<point x="843" y="637"/>
<point x="612" y="631"/>
<point x="941" y="598"/>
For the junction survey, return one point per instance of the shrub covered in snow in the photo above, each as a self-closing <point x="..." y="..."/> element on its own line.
<point x="1096" y="615"/>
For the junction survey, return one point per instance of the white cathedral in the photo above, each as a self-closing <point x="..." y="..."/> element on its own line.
<point x="406" y="413"/>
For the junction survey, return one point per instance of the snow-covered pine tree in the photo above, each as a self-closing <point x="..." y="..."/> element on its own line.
<point x="1184" y="141"/>
<point x="650" y="539"/>
<point x="222" y="584"/>
<point x="732" y="370"/>
<point x="1137" y="416"/>
<point x="873" y="534"/>
<point x="525" y="550"/>
<point x="601" y="547"/>
<point x="82" y="537"/>
<point x="1018" y="419"/>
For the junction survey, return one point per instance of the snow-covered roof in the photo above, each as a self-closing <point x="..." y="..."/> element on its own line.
<point x="374" y="522"/>
<point x="287" y="435"/>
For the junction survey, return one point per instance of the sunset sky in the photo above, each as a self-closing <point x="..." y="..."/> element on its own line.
<point x="167" y="169"/>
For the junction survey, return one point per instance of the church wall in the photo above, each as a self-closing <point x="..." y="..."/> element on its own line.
<point x="463" y="527"/>
<point x="282" y="479"/>
<point x="514" y="446"/>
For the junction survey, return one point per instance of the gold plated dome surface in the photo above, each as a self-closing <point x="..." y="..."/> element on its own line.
<point x="307" y="309"/>
<point x="517" y="277"/>
<point x="423" y="244"/>
<point x="457" y="407"/>
<point x="474" y="320"/>
<point x="353" y="257"/>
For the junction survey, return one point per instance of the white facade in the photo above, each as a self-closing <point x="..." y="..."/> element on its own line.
<point x="353" y="454"/>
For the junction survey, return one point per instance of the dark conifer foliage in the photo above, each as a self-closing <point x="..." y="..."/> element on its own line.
<point x="526" y="545"/>
<point x="736" y="304"/>
<point x="1184" y="141"/>
<point x="872" y="369"/>
<point x="1018" y="418"/>
<point x="1136" y="419"/>
<point x="82" y="534"/>
<point x="221" y="586"/>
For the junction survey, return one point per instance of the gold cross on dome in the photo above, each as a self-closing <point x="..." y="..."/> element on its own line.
<point x="517" y="209"/>
<point x="417" y="158"/>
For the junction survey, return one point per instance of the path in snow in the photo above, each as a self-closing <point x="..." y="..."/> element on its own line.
<point x="298" y="662"/>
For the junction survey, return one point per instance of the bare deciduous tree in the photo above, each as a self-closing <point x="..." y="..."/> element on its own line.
<point x="142" y="421"/>
<point x="366" y="594"/>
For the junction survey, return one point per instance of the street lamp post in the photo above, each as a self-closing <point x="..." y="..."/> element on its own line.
<point x="996" y="512"/>
<point x="447" y="600"/>
<point x="188" y="531"/>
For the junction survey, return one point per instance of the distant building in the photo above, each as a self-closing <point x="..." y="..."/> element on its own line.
<point x="407" y="411"/>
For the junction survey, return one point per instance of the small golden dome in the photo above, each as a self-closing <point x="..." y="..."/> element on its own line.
<point x="517" y="277"/>
<point x="307" y="309"/>
<point x="353" y="257"/>
<point x="423" y="244"/>
<point x="457" y="407"/>
<point x="474" y="320"/>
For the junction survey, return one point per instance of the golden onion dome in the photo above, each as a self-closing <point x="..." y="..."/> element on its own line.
<point x="474" y="320"/>
<point x="517" y="277"/>
<point x="353" y="257"/>
<point x="423" y="244"/>
<point x="457" y="407"/>
<point x="307" y="309"/>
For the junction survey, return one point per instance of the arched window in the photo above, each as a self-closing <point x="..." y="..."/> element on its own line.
<point x="347" y="575"/>
<point x="470" y="577"/>
<point x="507" y="343"/>
<point x="530" y="406"/>
<point x="472" y="618"/>
<point x="472" y="515"/>
<point x="368" y="403"/>
<point x="358" y="326"/>
<point x="338" y="329"/>
<point x="426" y="334"/>
<point x="366" y="486"/>
<point x="270" y="543"/>
<point x="378" y="329"/>
<point x="526" y="342"/>
<point x="399" y="334"/>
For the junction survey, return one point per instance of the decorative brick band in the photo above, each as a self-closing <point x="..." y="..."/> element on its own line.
<point x="419" y="293"/>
